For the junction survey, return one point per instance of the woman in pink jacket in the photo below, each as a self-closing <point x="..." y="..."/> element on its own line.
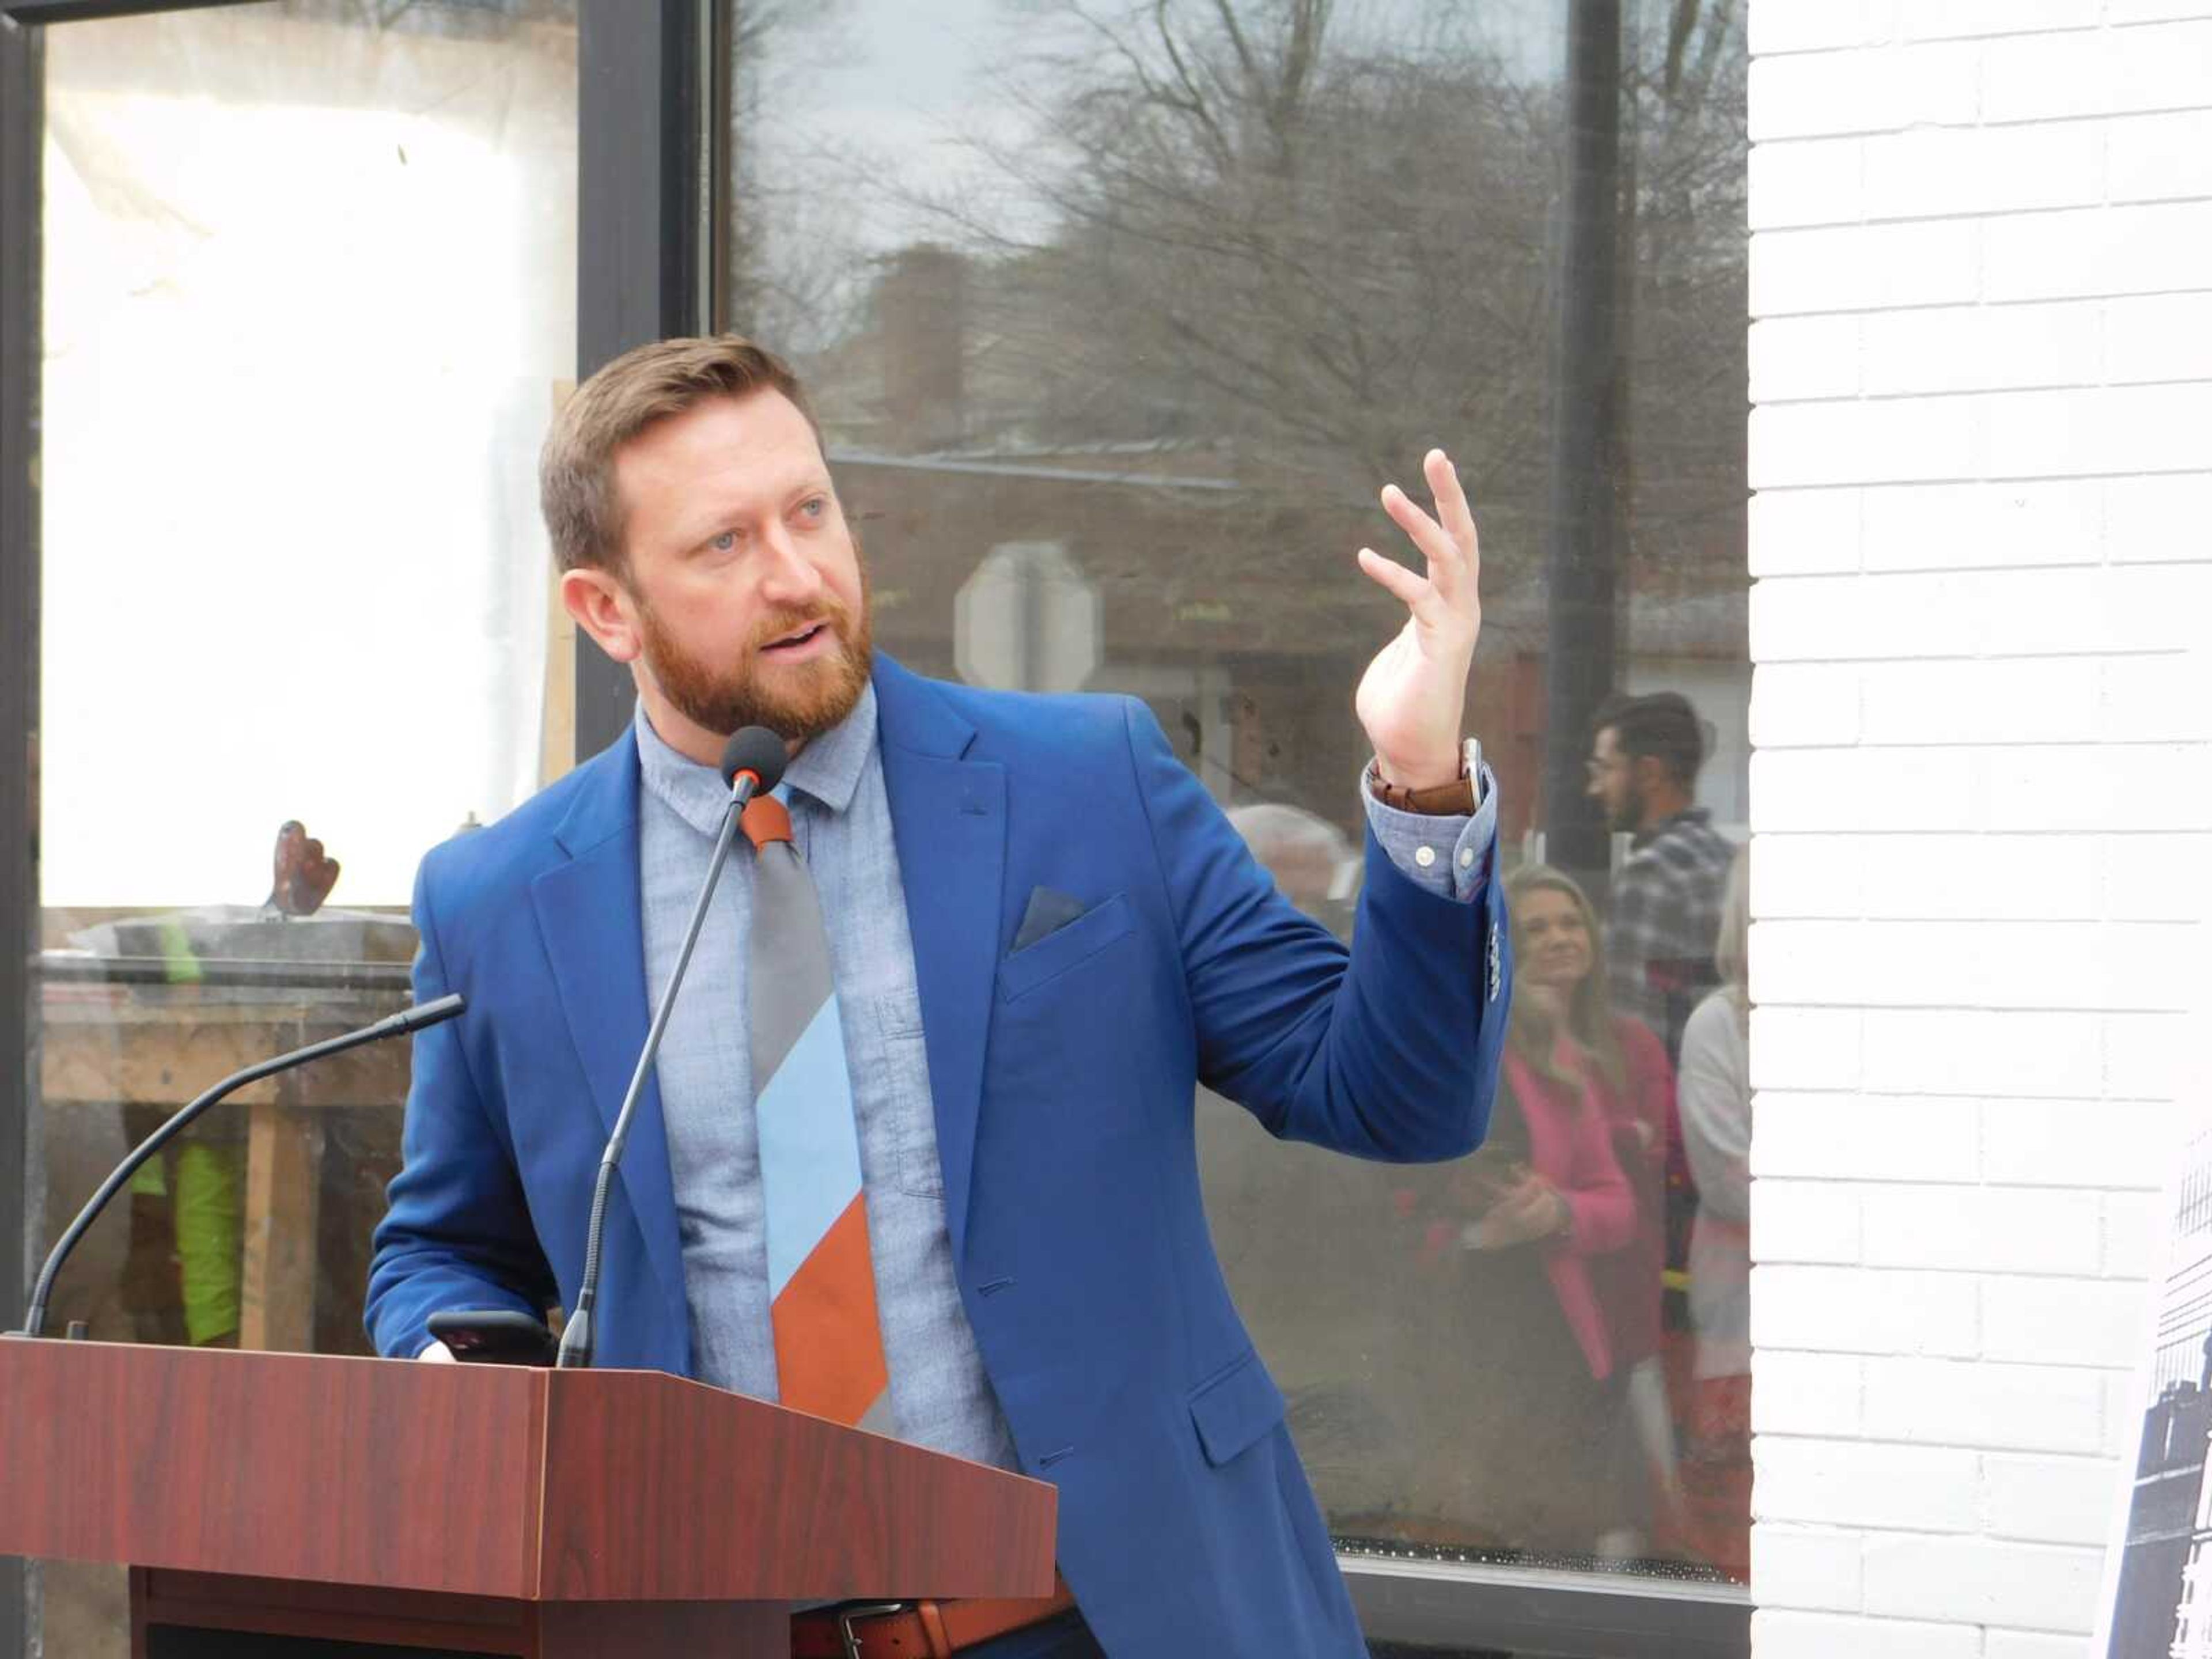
<point x="1511" y="1237"/>
<point x="1565" y="1031"/>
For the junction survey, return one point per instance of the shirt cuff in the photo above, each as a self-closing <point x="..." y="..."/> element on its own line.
<point x="1449" y="856"/>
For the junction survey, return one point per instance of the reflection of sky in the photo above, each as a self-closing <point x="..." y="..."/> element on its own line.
<point x="893" y="106"/>
<point x="893" y="94"/>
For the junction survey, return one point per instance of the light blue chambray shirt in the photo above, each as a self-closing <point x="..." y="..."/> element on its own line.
<point x="842" y="823"/>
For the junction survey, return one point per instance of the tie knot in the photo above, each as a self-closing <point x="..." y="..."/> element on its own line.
<point x="765" y="819"/>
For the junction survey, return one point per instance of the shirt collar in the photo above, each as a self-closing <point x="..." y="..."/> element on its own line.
<point x="828" y="770"/>
<point x="1696" y="815"/>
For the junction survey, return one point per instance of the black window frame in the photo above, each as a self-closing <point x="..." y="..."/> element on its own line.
<point x="22" y="130"/>
<point x="651" y="176"/>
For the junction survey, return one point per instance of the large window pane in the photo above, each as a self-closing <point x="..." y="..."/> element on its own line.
<point x="1117" y="316"/>
<point x="309" y="298"/>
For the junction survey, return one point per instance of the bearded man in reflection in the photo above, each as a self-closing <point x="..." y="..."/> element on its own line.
<point x="1041" y="934"/>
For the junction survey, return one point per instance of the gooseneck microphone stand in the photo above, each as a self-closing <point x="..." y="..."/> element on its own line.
<point x="753" y="762"/>
<point x="405" y="1021"/>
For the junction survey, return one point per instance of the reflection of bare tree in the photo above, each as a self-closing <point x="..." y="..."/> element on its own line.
<point x="1315" y="257"/>
<point x="787" y="273"/>
<point x="1682" y="208"/>
<point x="1285" y="244"/>
<point x="1308" y="248"/>
<point x="1643" y="500"/>
<point x="451" y="18"/>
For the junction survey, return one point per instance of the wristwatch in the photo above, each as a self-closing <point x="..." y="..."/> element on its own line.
<point x="1453" y="799"/>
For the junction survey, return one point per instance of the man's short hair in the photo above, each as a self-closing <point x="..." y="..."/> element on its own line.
<point x="1663" y="724"/>
<point x="576" y="469"/>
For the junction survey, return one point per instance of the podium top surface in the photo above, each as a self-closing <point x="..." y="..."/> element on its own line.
<point x="489" y="1480"/>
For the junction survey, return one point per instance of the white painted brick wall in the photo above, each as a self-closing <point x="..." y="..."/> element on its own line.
<point x="1981" y="536"/>
<point x="2033" y="1644"/>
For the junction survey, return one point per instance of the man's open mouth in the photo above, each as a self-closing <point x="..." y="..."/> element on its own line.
<point x="794" y="642"/>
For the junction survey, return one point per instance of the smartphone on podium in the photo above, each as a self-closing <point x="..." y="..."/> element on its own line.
<point x="493" y="1336"/>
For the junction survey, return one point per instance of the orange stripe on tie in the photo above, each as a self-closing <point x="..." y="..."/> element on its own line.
<point x="766" y="819"/>
<point x="829" y="1346"/>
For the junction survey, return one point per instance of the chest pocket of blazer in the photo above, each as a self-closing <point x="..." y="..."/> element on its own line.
<point x="1234" y="1408"/>
<point x="1064" y="948"/>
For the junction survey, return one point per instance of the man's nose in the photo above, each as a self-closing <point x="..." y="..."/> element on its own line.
<point x="790" y="578"/>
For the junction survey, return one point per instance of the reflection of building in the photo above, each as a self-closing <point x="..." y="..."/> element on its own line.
<point x="2192" y="1610"/>
<point x="2165" y="1592"/>
<point x="2166" y="1514"/>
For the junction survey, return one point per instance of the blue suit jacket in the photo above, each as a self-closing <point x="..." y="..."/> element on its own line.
<point x="1063" y="1076"/>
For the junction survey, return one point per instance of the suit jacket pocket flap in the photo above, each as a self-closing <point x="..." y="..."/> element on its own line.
<point x="1234" y="1409"/>
<point x="1064" y="947"/>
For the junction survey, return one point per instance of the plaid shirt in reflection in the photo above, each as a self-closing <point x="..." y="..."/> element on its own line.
<point x="1666" y="915"/>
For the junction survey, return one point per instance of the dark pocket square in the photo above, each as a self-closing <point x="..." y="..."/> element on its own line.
<point x="1049" y="911"/>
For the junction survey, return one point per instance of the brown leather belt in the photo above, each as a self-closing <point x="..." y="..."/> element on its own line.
<point x="917" y="1629"/>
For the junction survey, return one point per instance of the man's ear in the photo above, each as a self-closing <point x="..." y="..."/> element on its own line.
<point x="602" y="608"/>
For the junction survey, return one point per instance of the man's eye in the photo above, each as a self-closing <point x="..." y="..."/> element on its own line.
<point x="724" y="542"/>
<point x="814" y="506"/>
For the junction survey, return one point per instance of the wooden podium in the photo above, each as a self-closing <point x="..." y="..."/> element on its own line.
<point x="294" y="1504"/>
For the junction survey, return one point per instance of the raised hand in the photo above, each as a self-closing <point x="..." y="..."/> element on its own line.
<point x="1412" y="699"/>
<point x="303" y="875"/>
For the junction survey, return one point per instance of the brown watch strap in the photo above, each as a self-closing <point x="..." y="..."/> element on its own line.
<point x="1453" y="799"/>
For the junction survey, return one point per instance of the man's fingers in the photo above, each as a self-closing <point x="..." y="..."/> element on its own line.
<point x="1458" y="518"/>
<point x="1447" y="540"/>
<point x="1444" y="558"/>
<point x="1412" y="591"/>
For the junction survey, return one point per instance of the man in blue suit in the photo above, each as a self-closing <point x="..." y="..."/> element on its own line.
<point x="1043" y="936"/>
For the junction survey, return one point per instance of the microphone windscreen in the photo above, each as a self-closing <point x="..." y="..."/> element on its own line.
<point x="758" y="750"/>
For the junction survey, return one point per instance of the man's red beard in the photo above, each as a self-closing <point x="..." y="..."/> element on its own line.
<point x="796" y="702"/>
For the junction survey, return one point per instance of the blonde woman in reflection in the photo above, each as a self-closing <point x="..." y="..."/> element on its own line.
<point x="1716" y="1102"/>
<point x="1523" y="1368"/>
<point x="1566" y="1034"/>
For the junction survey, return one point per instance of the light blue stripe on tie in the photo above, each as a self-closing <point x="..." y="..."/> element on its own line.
<point x="808" y="1145"/>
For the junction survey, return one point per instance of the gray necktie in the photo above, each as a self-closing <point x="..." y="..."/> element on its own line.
<point x="822" y="1280"/>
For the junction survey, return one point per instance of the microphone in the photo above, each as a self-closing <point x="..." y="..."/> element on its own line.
<point x="407" y="1020"/>
<point x="752" y="762"/>
<point x="756" y="751"/>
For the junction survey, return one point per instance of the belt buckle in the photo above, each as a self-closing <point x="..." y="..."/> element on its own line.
<point x="864" y="1610"/>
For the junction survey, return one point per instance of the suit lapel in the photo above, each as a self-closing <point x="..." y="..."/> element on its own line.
<point x="949" y="822"/>
<point x="588" y="913"/>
